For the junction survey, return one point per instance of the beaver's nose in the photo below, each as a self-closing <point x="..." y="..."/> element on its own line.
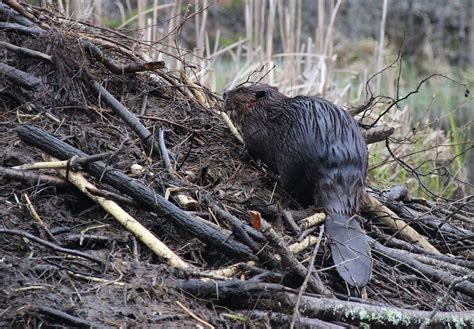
<point x="225" y="95"/>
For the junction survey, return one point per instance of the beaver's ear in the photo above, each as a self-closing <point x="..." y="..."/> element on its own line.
<point x="260" y="94"/>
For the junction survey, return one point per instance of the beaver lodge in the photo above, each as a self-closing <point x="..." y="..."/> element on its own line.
<point x="127" y="201"/>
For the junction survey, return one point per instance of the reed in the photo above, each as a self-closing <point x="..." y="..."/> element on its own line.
<point x="302" y="64"/>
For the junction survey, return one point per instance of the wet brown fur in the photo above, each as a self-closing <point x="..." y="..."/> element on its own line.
<point x="320" y="156"/>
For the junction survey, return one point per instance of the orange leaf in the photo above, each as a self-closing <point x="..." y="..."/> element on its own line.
<point x="255" y="219"/>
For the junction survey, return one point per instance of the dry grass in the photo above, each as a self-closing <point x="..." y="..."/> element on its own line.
<point x="305" y="65"/>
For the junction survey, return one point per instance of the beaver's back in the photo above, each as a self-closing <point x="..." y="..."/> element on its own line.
<point x="318" y="150"/>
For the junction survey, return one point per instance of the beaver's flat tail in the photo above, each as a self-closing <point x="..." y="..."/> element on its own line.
<point x="349" y="249"/>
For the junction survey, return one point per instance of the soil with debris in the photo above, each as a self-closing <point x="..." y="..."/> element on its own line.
<point x="132" y="287"/>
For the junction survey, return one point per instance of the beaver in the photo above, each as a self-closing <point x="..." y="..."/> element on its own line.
<point x="320" y="156"/>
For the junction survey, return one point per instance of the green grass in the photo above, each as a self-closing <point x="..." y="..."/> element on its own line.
<point x="439" y="104"/>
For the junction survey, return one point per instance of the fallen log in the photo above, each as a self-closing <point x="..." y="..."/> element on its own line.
<point x="258" y="295"/>
<point x="20" y="78"/>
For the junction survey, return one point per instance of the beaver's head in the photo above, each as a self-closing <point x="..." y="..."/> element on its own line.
<point x="241" y="101"/>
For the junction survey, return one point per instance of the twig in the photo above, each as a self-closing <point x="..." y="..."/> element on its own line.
<point x="26" y="52"/>
<point x="76" y="162"/>
<point x="129" y="118"/>
<point x="112" y="196"/>
<point x="443" y="299"/>
<point x="144" y="104"/>
<point x="289" y="221"/>
<point x="231" y="126"/>
<point x="164" y="151"/>
<point x="305" y="282"/>
<point x="51" y="245"/>
<point x="231" y="270"/>
<point x="287" y="257"/>
<point x="60" y="315"/>
<point x="427" y="270"/>
<point x="81" y="239"/>
<point x="194" y="316"/>
<point x="376" y="209"/>
<point x="421" y="254"/>
<point x="414" y="92"/>
<point x="44" y="165"/>
<point x="32" y="177"/>
<point x="195" y="90"/>
<point x="37" y="217"/>
<point x="245" y="233"/>
<point x="234" y="221"/>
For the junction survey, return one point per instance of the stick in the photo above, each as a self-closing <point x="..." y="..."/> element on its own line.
<point x="37" y="217"/>
<point x="194" y="316"/>
<point x="305" y="282"/>
<point x="290" y="222"/>
<point x="129" y="118"/>
<point x="20" y="78"/>
<point x="275" y="239"/>
<point x="429" y="271"/>
<point x="389" y="218"/>
<point x="69" y="319"/>
<point x="116" y="68"/>
<point x="26" y="52"/>
<point x="280" y="298"/>
<point x="130" y="223"/>
<point x="377" y="134"/>
<point x="139" y="192"/>
<point x="32" y="177"/>
<point x="20" y="29"/>
<point x="51" y="245"/>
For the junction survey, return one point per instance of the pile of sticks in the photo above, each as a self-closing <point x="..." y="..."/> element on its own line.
<point x="422" y="249"/>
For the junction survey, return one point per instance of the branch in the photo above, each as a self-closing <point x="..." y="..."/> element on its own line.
<point x="117" y="68"/>
<point x="26" y="51"/>
<point x="21" y="78"/>
<point x="427" y="270"/>
<point x="20" y="29"/>
<point x="377" y="134"/>
<point x="279" y="298"/>
<point x="51" y="245"/>
<point x="376" y="209"/>
<point x="145" y="196"/>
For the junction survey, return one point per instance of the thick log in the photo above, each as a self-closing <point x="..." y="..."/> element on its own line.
<point x="139" y="192"/>
<point x="20" y="29"/>
<point x="9" y="15"/>
<point x="20" y="78"/>
<point x="280" y="298"/>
